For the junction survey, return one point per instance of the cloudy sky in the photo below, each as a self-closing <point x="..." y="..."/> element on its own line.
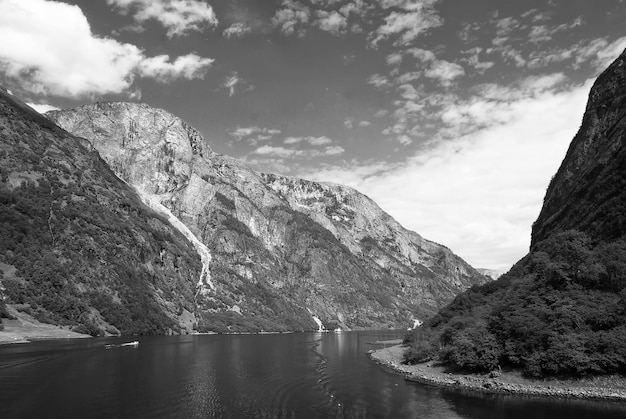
<point x="451" y="114"/>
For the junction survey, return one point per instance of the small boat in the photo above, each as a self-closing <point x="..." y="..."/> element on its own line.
<point x="134" y="343"/>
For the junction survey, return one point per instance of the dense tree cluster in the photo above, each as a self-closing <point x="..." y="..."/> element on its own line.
<point x="560" y="311"/>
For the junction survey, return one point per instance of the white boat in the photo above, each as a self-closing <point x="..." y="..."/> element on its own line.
<point x="134" y="343"/>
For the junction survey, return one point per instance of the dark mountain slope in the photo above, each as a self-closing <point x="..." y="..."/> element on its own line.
<point x="588" y="193"/>
<point x="77" y="245"/>
<point x="561" y="310"/>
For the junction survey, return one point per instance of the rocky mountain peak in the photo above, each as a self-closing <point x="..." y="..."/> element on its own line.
<point x="158" y="146"/>
<point x="277" y="252"/>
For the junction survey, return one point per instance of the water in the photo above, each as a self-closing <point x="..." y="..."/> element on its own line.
<point x="303" y="375"/>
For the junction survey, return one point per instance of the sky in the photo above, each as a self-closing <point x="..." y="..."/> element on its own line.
<point x="452" y="115"/>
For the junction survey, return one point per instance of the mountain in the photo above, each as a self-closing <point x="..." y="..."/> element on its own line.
<point x="491" y="273"/>
<point x="561" y="310"/>
<point x="588" y="192"/>
<point x="278" y="253"/>
<point x="78" y="248"/>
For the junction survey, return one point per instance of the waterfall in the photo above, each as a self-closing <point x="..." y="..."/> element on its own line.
<point x="320" y="326"/>
<point x="204" y="285"/>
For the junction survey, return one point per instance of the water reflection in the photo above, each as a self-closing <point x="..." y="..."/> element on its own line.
<point x="277" y="376"/>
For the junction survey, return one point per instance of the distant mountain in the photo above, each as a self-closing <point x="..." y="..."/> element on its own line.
<point x="491" y="273"/>
<point x="77" y="245"/>
<point x="561" y="310"/>
<point x="278" y="253"/>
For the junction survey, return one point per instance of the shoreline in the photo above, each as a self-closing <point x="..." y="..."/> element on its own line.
<point x="507" y="383"/>
<point x="23" y="328"/>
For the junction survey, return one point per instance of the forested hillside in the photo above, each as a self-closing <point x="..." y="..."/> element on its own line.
<point x="561" y="310"/>
<point x="77" y="246"/>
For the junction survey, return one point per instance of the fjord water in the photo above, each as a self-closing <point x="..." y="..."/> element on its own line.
<point x="300" y="375"/>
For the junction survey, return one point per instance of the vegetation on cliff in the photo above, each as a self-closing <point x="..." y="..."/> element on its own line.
<point x="77" y="246"/>
<point x="561" y="310"/>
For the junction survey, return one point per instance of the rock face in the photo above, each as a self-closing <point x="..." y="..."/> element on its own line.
<point x="491" y="273"/>
<point x="561" y="310"/>
<point x="77" y="245"/>
<point x="589" y="190"/>
<point x="277" y="251"/>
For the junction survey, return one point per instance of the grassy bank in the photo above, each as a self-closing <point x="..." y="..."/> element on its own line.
<point x="25" y="328"/>
<point x="603" y="388"/>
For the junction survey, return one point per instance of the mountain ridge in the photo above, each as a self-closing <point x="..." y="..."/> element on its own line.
<point x="291" y="240"/>
<point x="77" y="247"/>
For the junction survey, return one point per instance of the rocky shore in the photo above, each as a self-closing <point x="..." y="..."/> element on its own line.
<point x="611" y="388"/>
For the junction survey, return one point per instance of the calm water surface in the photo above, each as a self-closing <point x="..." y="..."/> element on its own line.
<point x="302" y="375"/>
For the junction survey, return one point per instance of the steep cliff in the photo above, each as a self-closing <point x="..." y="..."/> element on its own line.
<point x="77" y="246"/>
<point x="588" y="192"/>
<point x="278" y="252"/>
<point x="561" y="310"/>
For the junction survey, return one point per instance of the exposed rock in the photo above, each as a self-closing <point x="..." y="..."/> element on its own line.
<point x="77" y="246"/>
<point x="281" y="250"/>
<point x="491" y="273"/>
<point x="589" y="190"/>
<point x="561" y="310"/>
<point x="511" y="383"/>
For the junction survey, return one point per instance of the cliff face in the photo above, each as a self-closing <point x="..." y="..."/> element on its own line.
<point x="77" y="245"/>
<point x="277" y="251"/>
<point x="589" y="190"/>
<point x="561" y="310"/>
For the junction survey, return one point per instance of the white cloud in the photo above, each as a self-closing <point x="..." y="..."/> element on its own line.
<point x="507" y="25"/>
<point x="283" y="152"/>
<point x="314" y="141"/>
<point x="378" y="80"/>
<point x="49" y="48"/>
<point x="394" y="59"/>
<point x="332" y="22"/>
<point x="493" y="104"/>
<point x="253" y="135"/>
<point x="445" y="72"/>
<point x="543" y="33"/>
<point x="417" y="17"/>
<point x="479" y="193"/>
<point x="381" y="113"/>
<point x="236" y="30"/>
<point x="334" y="150"/>
<point x="364" y="124"/>
<point x="474" y="60"/>
<point x="178" y="17"/>
<point x="347" y="123"/>
<point x="269" y="150"/>
<point x="291" y="16"/>
<point x="606" y="55"/>
<point x="421" y="55"/>
<point x="404" y="139"/>
<point x="190" y="66"/>
<point x="230" y="83"/>
<point x="357" y="7"/>
<point x="42" y="107"/>
<point x="234" y="83"/>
